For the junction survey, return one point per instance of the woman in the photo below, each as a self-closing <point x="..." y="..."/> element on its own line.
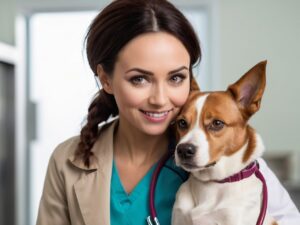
<point x="143" y="52"/>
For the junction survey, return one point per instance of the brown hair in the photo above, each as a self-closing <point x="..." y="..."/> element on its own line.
<point x="109" y="32"/>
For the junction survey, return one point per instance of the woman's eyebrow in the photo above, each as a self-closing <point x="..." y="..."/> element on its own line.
<point x="150" y="73"/>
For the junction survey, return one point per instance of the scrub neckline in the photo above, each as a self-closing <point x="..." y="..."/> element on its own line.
<point x="139" y="188"/>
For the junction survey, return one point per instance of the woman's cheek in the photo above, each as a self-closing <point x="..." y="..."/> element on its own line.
<point x="131" y="96"/>
<point x="180" y="96"/>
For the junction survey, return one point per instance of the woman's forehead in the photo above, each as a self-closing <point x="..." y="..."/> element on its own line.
<point x="153" y="51"/>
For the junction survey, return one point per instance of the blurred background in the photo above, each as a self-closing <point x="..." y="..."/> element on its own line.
<point x="46" y="84"/>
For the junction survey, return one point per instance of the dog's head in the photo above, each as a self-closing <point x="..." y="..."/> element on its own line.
<point x="214" y="124"/>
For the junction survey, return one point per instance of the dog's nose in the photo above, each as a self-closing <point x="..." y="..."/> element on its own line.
<point x="186" y="150"/>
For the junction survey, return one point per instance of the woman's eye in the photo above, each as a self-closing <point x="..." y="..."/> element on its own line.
<point x="138" y="80"/>
<point x="216" y="125"/>
<point x="177" y="78"/>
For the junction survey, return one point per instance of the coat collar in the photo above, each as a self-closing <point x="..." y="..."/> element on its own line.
<point x="93" y="188"/>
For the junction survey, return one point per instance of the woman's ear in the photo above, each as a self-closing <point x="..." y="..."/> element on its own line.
<point x="104" y="79"/>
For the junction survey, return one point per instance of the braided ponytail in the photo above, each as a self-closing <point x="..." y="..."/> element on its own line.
<point x="102" y="107"/>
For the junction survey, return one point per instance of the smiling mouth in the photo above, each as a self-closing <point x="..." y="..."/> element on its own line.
<point x="156" y="115"/>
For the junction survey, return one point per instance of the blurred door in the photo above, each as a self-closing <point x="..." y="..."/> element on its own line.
<point x="61" y="86"/>
<point x="7" y="146"/>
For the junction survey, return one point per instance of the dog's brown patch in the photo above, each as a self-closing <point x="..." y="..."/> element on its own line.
<point x="227" y="141"/>
<point x="188" y="113"/>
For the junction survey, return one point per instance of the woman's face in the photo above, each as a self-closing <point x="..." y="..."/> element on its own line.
<point x="150" y="82"/>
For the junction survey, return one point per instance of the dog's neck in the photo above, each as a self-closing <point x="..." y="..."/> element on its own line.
<point x="229" y="165"/>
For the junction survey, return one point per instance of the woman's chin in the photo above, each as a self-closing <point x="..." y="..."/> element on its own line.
<point x="155" y="130"/>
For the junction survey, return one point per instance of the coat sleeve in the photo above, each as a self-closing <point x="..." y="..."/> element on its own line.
<point x="53" y="208"/>
<point x="280" y="205"/>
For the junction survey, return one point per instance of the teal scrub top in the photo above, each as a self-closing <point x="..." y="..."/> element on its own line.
<point x="133" y="209"/>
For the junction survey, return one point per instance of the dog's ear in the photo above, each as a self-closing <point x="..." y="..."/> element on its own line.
<point x="194" y="85"/>
<point x="249" y="89"/>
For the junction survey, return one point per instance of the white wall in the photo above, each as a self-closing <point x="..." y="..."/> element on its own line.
<point x="255" y="30"/>
<point x="59" y="5"/>
<point x="7" y="20"/>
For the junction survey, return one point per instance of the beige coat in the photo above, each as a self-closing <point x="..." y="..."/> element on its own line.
<point x="74" y="194"/>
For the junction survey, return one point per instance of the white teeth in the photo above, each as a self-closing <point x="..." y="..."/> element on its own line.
<point x="156" y="115"/>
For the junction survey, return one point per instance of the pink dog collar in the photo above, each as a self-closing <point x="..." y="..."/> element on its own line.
<point x="253" y="168"/>
<point x="245" y="173"/>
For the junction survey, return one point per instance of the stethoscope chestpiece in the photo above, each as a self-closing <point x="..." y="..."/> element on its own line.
<point x="156" y="222"/>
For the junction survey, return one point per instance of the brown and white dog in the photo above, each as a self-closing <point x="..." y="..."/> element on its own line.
<point x="215" y="142"/>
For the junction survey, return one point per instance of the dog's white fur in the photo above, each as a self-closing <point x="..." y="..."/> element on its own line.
<point x="197" y="137"/>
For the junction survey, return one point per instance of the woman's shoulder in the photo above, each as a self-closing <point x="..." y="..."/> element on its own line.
<point x="66" y="148"/>
<point x="65" y="152"/>
<point x="59" y="158"/>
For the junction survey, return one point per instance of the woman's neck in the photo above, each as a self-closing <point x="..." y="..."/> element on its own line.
<point x="137" y="147"/>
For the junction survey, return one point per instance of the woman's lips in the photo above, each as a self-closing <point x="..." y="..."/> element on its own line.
<point x="156" y="116"/>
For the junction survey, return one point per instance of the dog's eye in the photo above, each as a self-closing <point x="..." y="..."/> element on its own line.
<point x="182" y="124"/>
<point x="216" y="125"/>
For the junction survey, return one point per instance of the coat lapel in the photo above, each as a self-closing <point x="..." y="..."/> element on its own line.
<point x="93" y="188"/>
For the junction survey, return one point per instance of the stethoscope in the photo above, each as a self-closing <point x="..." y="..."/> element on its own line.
<point x="152" y="219"/>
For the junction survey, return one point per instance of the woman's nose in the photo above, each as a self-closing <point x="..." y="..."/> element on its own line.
<point x="158" y="95"/>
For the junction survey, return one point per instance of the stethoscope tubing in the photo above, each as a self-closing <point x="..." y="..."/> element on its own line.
<point x="153" y="214"/>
